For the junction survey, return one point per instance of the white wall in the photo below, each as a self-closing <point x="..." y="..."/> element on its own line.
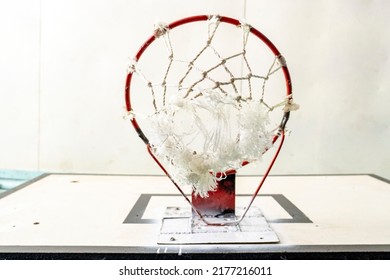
<point x="63" y="65"/>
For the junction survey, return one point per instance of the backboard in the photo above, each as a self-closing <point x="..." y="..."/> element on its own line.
<point x="88" y="216"/>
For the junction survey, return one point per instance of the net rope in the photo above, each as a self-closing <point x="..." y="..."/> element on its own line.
<point x="225" y="146"/>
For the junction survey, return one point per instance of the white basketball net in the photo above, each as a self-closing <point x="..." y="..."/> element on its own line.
<point x="204" y="124"/>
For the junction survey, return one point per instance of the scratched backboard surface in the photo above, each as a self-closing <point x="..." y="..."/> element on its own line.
<point x="78" y="213"/>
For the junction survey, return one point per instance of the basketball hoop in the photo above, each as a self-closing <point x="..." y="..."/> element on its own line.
<point x="208" y="112"/>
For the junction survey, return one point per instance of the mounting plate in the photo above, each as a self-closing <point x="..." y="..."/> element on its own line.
<point x="179" y="226"/>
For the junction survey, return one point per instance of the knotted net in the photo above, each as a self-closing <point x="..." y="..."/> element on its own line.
<point x="208" y="113"/>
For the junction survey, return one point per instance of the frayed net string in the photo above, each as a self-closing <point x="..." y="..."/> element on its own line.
<point x="220" y="152"/>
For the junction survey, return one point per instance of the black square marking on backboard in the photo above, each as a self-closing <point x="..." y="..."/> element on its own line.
<point x="138" y="210"/>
